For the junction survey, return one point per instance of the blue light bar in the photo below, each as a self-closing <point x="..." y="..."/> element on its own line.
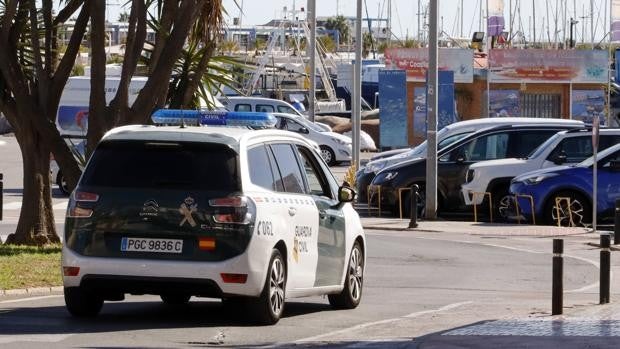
<point x="213" y="118"/>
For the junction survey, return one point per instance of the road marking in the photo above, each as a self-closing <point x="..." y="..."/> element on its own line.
<point x="44" y="338"/>
<point x="582" y="289"/>
<point x="380" y="322"/>
<point x="16" y="205"/>
<point x="21" y="300"/>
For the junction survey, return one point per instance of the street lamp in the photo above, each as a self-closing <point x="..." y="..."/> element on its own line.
<point x="571" y="43"/>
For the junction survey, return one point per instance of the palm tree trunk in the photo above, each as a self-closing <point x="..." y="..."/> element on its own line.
<point x="36" y="221"/>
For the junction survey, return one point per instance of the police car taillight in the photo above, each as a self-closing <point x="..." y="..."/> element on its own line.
<point x="233" y="210"/>
<point x="213" y="118"/>
<point x="79" y="204"/>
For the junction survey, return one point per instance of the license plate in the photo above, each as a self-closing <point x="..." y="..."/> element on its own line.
<point x="151" y="245"/>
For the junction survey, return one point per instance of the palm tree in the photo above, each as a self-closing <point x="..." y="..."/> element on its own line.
<point x="339" y="23"/>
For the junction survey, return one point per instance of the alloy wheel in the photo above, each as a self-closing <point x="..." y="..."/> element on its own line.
<point x="276" y="286"/>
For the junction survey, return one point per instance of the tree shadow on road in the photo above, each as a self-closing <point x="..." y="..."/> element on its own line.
<point x="130" y="315"/>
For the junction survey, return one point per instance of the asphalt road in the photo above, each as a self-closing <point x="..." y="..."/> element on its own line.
<point x="415" y="284"/>
<point x="418" y="285"/>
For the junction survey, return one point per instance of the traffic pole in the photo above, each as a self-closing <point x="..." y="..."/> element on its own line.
<point x="1" y="195"/>
<point x="413" y="223"/>
<point x="617" y="224"/>
<point x="557" y="287"/>
<point x="605" y="268"/>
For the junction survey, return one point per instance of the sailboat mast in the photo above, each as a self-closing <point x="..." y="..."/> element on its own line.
<point x="461" y="31"/>
<point x="510" y="20"/>
<point x="534" y="21"/>
<point x="419" y="14"/>
<point x="592" y="23"/>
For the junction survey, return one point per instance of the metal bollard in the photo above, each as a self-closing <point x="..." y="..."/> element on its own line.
<point x="413" y="223"/>
<point x="605" y="268"/>
<point x="617" y="224"/>
<point x="1" y="194"/>
<point x="557" y="287"/>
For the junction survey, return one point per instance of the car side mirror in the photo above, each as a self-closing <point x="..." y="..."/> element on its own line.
<point x="304" y="130"/>
<point x="460" y="158"/>
<point x="346" y="194"/>
<point x="560" y="158"/>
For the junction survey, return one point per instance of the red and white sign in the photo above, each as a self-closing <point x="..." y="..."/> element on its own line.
<point x="548" y="66"/>
<point x="415" y="62"/>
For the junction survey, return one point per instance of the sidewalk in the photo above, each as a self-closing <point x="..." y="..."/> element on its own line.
<point x="480" y="228"/>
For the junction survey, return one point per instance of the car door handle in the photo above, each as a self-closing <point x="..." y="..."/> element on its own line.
<point x="292" y="211"/>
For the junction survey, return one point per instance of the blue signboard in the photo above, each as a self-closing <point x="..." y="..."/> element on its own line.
<point x="446" y="113"/>
<point x="419" y="115"/>
<point x="393" y="101"/>
<point x="617" y="56"/>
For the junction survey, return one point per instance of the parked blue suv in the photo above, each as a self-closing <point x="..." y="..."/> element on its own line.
<point x="575" y="183"/>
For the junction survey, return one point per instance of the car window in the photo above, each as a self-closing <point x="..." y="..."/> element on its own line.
<point x="163" y="165"/>
<point x="451" y="139"/>
<point x="260" y="169"/>
<point x="263" y="108"/>
<point x="522" y="143"/>
<point x="287" y="109"/>
<point x="292" y="179"/>
<point x="276" y="171"/>
<point x="243" y="107"/>
<point x="576" y="149"/>
<point x="294" y="126"/>
<point x="487" y="147"/>
<point x="606" y="141"/>
<point x="317" y="182"/>
<point x="606" y="162"/>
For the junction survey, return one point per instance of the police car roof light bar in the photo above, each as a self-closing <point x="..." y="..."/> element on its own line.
<point x="213" y="118"/>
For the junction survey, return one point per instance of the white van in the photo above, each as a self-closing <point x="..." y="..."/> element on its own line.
<point x="72" y="115"/>
<point x="264" y="105"/>
<point x="258" y="104"/>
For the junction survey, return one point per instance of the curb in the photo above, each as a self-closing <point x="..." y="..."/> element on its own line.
<point x="32" y="291"/>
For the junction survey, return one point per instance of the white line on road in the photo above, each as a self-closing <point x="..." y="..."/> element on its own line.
<point x="20" y="300"/>
<point x="380" y="322"/>
<point x="41" y="338"/>
<point x="16" y="205"/>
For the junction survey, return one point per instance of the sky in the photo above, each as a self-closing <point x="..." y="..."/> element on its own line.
<point x="404" y="15"/>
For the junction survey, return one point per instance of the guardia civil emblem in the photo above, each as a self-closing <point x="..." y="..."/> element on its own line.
<point x="188" y="207"/>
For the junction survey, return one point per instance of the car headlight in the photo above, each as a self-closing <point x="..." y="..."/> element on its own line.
<point x="374" y="166"/>
<point x="539" y="178"/>
<point x="339" y="141"/>
<point x="469" y="176"/>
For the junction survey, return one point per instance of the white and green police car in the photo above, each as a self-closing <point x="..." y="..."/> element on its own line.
<point x="249" y="216"/>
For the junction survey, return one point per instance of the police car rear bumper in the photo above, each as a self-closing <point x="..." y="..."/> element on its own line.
<point x="142" y="276"/>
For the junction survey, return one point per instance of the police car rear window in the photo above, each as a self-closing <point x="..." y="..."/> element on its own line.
<point x="163" y="165"/>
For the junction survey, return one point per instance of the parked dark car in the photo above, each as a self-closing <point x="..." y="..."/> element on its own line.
<point x="453" y="161"/>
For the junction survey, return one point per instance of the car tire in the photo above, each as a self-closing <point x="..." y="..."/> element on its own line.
<point x="82" y="303"/>
<point x="269" y="307"/>
<point x="175" y="299"/>
<point x="581" y="210"/>
<point x="62" y="184"/>
<point x="351" y="294"/>
<point x="328" y="155"/>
